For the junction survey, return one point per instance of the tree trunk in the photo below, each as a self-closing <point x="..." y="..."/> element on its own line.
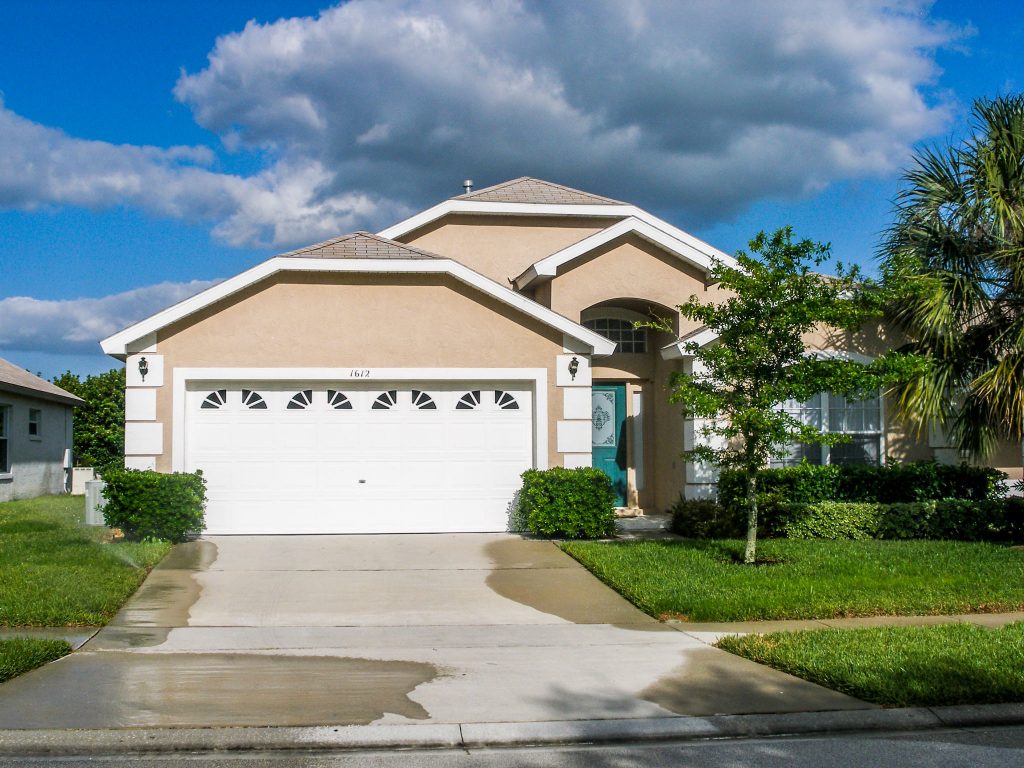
<point x="750" y="553"/>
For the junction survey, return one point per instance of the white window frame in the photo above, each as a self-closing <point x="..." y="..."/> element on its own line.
<point x="826" y="450"/>
<point x="593" y="314"/>
<point x="5" y="437"/>
<point x="36" y="422"/>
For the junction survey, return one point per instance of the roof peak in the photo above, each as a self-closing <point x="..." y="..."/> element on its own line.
<point x="527" y="189"/>
<point x="360" y="245"/>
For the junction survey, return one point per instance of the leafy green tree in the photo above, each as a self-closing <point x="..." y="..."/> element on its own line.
<point x="99" y="424"/>
<point x="759" y="361"/>
<point x="955" y="259"/>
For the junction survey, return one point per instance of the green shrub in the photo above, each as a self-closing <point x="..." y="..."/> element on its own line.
<point x="832" y="520"/>
<point x="706" y="519"/>
<point x="152" y="505"/>
<point x="886" y="484"/>
<point x="950" y="519"/>
<point x="568" y="503"/>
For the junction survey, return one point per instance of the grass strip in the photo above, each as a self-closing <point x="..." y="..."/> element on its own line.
<point x="19" y="655"/>
<point x="55" y="571"/>
<point x="705" y="580"/>
<point x="900" y="666"/>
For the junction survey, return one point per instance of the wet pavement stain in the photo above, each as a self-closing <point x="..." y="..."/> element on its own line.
<point x="164" y="600"/>
<point x="565" y="589"/>
<point x="190" y="556"/>
<point x="711" y="683"/>
<point x="123" y="638"/>
<point x="113" y="689"/>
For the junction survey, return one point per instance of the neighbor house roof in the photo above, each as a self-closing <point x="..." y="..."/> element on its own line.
<point x="360" y="245"/>
<point x="529" y="190"/>
<point x="358" y="252"/>
<point x="15" y="379"/>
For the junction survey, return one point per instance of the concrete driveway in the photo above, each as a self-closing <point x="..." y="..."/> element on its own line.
<point x="345" y="630"/>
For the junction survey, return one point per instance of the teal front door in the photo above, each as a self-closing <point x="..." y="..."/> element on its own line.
<point x="608" y="430"/>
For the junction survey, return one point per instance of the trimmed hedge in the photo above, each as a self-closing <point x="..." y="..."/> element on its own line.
<point x="885" y="484"/>
<point x="956" y="519"/>
<point x="153" y="505"/>
<point x="568" y="503"/>
<point x="707" y="519"/>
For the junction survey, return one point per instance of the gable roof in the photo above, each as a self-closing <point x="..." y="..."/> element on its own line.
<point x="673" y="240"/>
<point x="359" y="245"/>
<point x="15" y="379"/>
<point x="351" y="253"/>
<point x="526" y="189"/>
<point x="527" y="196"/>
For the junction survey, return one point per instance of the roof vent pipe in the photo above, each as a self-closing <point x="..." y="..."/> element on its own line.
<point x="468" y="185"/>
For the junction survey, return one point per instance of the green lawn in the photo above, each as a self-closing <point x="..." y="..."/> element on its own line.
<point x="22" y="654"/>
<point x="703" y="580"/>
<point x="55" y="571"/>
<point x="900" y="666"/>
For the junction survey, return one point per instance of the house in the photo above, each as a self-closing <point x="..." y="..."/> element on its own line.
<point x="35" y="435"/>
<point x="402" y="381"/>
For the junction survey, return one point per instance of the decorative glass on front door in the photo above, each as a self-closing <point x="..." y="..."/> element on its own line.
<point x="608" y="431"/>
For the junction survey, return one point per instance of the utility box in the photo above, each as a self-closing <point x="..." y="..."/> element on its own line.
<point x="94" y="502"/>
<point x="79" y="477"/>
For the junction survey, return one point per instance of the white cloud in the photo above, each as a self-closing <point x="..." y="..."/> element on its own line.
<point x="75" y="326"/>
<point x="376" y="108"/>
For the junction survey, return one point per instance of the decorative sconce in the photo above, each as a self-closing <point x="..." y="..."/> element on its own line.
<point x="143" y="368"/>
<point x="574" y="365"/>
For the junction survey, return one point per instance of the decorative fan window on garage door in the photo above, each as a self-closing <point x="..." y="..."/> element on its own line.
<point x="338" y="400"/>
<point x="505" y="401"/>
<point x="423" y="401"/>
<point x="469" y="401"/>
<point x="301" y="400"/>
<point x="385" y="400"/>
<point x="216" y="399"/>
<point x="253" y="400"/>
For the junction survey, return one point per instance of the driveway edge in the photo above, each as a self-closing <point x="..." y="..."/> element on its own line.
<point x="478" y="735"/>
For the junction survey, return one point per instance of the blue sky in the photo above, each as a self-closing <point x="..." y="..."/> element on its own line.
<point x="147" y="148"/>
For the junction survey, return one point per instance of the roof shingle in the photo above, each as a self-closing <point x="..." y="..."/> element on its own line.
<point x="529" y="190"/>
<point x="360" y="245"/>
<point x="19" y="380"/>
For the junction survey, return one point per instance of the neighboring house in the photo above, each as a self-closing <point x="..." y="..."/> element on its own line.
<point x="402" y="381"/>
<point x="35" y="435"/>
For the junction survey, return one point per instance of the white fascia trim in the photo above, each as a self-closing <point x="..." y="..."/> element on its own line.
<point x="117" y="344"/>
<point x="706" y="251"/>
<point x="538" y="377"/>
<point x="517" y="209"/>
<point x="677" y="349"/>
<point x="549" y="266"/>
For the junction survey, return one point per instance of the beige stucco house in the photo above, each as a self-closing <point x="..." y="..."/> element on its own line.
<point x="35" y="435"/>
<point x="402" y="381"/>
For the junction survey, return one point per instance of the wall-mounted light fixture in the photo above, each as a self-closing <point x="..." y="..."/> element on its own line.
<point x="143" y="368"/>
<point x="574" y="366"/>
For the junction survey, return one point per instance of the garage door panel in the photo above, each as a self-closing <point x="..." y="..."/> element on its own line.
<point x="318" y="469"/>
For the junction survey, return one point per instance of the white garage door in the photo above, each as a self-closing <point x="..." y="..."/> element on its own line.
<point x="343" y="458"/>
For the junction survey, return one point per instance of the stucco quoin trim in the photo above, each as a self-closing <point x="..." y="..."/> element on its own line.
<point x="117" y="344"/>
<point x="537" y="378"/>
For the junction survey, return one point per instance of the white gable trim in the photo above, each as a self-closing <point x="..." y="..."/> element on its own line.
<point x="640" y="221"/>
<point x="677" y="349"/>
<point x="516" y="209"/>
<point x="690" y="249"/>
<point x="117" y="344"/>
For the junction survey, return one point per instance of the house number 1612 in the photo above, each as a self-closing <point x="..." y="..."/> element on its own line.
<point x="359" y="373"/>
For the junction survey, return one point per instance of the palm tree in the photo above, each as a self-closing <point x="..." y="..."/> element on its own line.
<point x="954" y="259"/>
